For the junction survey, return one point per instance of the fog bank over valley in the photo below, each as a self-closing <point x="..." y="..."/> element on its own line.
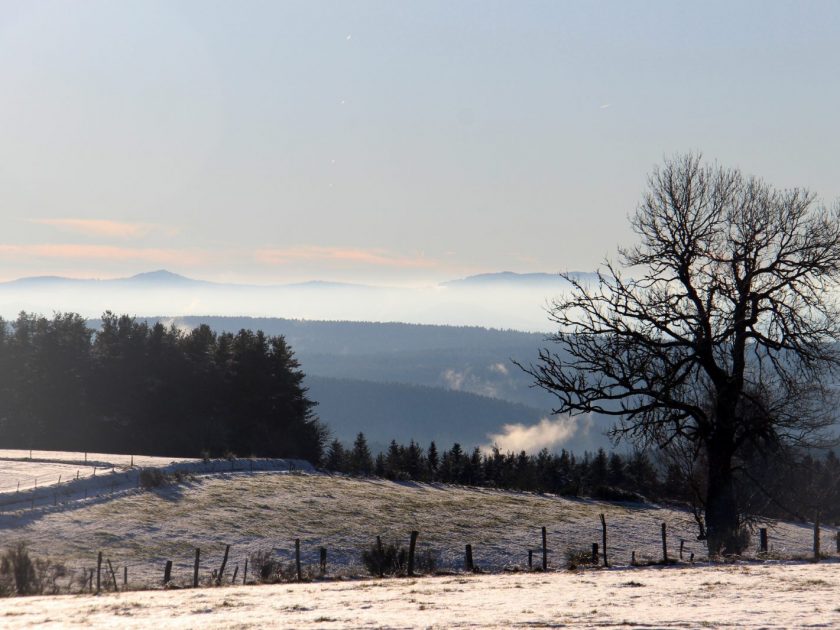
<point x="499" y="300"/>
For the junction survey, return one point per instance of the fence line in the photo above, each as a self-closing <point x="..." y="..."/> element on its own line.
<point x="46" y="489"/>
<point x="217" y="567"/>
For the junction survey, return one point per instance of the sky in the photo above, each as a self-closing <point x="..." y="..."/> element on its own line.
<point x="397" y="143"/>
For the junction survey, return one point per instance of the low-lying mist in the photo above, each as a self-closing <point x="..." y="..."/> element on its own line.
<point x="490" y="307"/>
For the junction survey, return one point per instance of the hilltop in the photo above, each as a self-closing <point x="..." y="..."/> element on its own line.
<point x="268" y="510"/>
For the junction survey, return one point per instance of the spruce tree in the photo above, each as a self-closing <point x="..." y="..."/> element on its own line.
<point x="336" y="458"/>
<point x="432" y="462"/>
<point x="361" y="461"/>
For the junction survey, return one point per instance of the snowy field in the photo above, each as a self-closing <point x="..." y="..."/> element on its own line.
<point x="264" y="505"/>
<point x="24" y="470"/>
<point x="732" y="596"/>
<point x="103" y="460"/>
<point x="266" y="511"/>
<point x="59" y="478"/>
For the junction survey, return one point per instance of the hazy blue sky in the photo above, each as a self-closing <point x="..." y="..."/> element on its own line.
<point x="398" y="142"/>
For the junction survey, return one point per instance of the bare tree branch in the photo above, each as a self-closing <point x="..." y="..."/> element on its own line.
<point x="725" y="334"/>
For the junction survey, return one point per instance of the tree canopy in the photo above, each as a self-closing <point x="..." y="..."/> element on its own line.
<point x="136" y="387"/>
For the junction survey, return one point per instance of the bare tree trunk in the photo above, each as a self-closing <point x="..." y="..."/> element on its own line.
<point x="723" y="521"/>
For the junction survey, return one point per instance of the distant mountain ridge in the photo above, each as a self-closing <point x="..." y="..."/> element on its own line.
<point x="504" y="301"/>
<point x="513" y="279"/>
<point x="161" y="276"/>
<point x="166" y="277"/>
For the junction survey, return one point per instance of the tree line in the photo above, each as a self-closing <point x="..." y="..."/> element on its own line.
<point x="793" y="491"/>
<point x="135" y="387"/>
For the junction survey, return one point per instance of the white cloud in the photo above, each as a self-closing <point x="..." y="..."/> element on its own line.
<point x="466" y="381"/>
<point x="107" y="228"/>
<point x="499" y="368"/>
<point x="454" y="379"/>
<point x="547" y="433"/>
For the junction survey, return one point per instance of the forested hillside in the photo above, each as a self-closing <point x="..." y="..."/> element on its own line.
<point x="137" y="387"/>
<point x="369" y="337"/>
<point x="386" y="411"/>
<point x="403" y="381"/>
<point x="460" y="358"/>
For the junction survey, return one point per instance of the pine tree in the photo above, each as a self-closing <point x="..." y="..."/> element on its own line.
<point x="361" y="461"/>
<point x="598" y="469"/>
<point x="336" y="458"/>
<point x="379" y="466"/>
<point x="432" y="462"/>
<point x="413" y="463"/>
<point x="394" y="460"/>
<point x="476" y="468"/>
<point x="642" y="474"/>
<point x="615" y="470"/>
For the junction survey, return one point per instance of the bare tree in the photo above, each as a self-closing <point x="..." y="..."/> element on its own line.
<point x="722" y="333"/>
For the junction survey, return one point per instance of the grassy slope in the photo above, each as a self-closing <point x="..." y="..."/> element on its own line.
<point x="267" y="511"/>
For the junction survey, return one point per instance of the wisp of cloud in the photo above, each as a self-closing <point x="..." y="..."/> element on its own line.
<point x="547" y="433"/>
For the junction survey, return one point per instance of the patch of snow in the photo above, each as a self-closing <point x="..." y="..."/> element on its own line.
<point x="736" y="596"/>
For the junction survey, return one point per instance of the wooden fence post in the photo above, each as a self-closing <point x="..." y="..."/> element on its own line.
<point x="595" y="554"/>
<point x="381" y="555"/>
<point x="412" y="544"/>
<point x="125" y="576"/>
<point x="235" y="572"/>
<point x="195" y="566"/>
<point x="762" y="536"/>
<point x="297" y="558"/>
<point x="323" y="561"/>
<point x="222" y="568"/>
<point x="664" y="544"/>
<point x="113" y="575"/>
<point x="633" y="558"/>
<point x="167" y="572"/>
<point x="604" y="538"/>
<point x="245" y="572"/>
<point x="682" y="544"/>
<point x="98" y="572"/>
<point x="530" y="559"/>
<point x="817" y="537"/>
<point x="544" y="550"/>
<point x="468" y="559"/>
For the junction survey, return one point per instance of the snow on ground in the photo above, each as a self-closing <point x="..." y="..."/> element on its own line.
<point x="267" y="511"/>
<point x="24" y="470"/>
<point x="730" y="596"/>
<point x="25" y="475"/>
<point x="38" y="478"/>
<point x="103" y="460"/>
